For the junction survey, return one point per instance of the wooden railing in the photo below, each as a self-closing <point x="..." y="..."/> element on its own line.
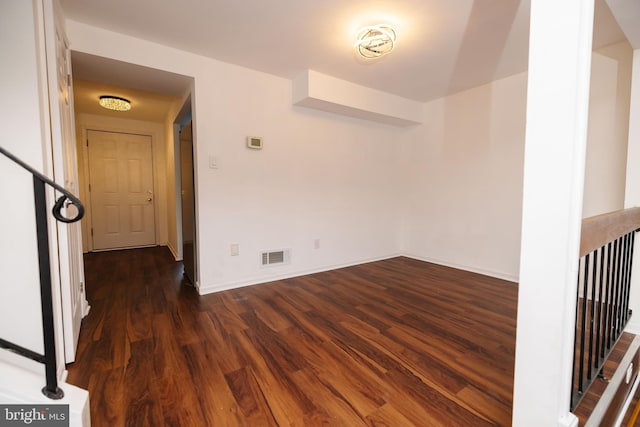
<point x="602" y="301"/>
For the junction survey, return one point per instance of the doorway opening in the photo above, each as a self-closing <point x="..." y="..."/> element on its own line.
<point x="149" y="212"/>
<point x="128" y="156"/>
<point x="186" y="192"/>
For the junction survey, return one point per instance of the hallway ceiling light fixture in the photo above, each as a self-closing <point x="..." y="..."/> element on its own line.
<point x="115" y="103"/>
<point x="375" y="41"/>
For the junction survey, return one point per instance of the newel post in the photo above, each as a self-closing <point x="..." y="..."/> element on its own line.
<point x="556" y="135"/>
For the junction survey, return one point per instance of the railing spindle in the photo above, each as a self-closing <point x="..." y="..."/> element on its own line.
<point x="51" y="389"/>
<point x="599" y="313"/>
<point x="583" y="328"/>
<point x="592" y="308"/>
<point x="602" y="297"/>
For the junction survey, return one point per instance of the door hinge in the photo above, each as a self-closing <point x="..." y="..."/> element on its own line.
<point x="91" y="231"/>
<point x="68" y="80"/>
<point x="89" y="187"/>
<point x="82" y="287"/>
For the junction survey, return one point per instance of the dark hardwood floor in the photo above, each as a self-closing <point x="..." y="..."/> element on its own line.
<point x="592" y="395"/>
<point x="391" y="343"/>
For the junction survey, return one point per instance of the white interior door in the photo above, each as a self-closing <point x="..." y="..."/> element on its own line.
<point x="71" y="264"/>
<point x="121" y="188"/>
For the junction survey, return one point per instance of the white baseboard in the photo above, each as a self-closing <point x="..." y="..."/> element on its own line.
<point x="256" y="281"/>
<point x="633" y="326"/>
<point x="497" y="274"/>
<point x="22" y="386"/>
<point x="174" y="252"/>
<point x="203" y="290"/>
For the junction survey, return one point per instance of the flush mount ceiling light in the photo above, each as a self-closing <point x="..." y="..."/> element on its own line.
<point x="115" y="103"/>
<point x="375" y="41"/>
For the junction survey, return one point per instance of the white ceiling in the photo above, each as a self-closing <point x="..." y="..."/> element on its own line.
<point x="145" y="105"/>
<point x="151" y="92"/>
<point x="109" y="71"/>
<point x="444" y="46"/>
<point x="627" y="13"/>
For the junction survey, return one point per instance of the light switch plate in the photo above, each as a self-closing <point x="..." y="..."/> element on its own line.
<point x="213" y="162"/>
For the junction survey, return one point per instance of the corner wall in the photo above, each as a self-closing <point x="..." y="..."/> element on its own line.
<point x="464" y="168"/>
<point x="463" y="175"/>
<point x="319" y="177"/>
<point x="606" y="162"/>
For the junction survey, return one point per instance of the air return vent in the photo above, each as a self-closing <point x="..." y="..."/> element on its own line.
<point x="275" y="257"/>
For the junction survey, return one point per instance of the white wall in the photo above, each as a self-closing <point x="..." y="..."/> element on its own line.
<point x="86" y="122"/>
<point x="605" y="169"/>
<point x="555" y="151"/>
<point x="464" y="168"/>
<point x="448" y="191"/>
<point x="463" y="174"/>
<point x="632" y="190"/>
<point x="632" y="193"/>
<point x="24" y="135"/>
<point x="319" y="176"/>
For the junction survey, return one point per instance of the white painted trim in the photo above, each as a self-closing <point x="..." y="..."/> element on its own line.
<point x="627" y="402"/>
<point x="554" y="162"/>
<point x="484" y="272"/>
<point x="568" y="420"/>
<point x="632" y="189"/>
<point x="251" y="282"/>
<point x="614" y="384"/>
<point x="203" y="290"/>
<point x="83" y="188"/>
<point x="633" y="327"/>
<point x="42" y="17"/>
<point x="88" y="219"/>
<point x="312" y="89"/>
<point x="177" y="182"/>
<point x="20" y="386"/>
<point x="173" y="251"/>
<point x="85" y="305"/>
<point x="21" y="362"/>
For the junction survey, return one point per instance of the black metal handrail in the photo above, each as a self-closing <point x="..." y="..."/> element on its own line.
<point x="40" y="181"/>
<point x="602" y="308"/>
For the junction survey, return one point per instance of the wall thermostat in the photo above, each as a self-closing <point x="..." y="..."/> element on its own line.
<point x="254" y="142"/>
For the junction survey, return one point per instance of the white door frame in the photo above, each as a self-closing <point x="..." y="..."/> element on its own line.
<point x="69" y="277"/>
<point x="82" y="145"/>
<point x="127" y="238"/>
<point x="187" y="107"/>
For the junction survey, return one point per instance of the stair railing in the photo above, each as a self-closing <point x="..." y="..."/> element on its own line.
<point x="602" y="300"/>
<point x="51" y="389"/>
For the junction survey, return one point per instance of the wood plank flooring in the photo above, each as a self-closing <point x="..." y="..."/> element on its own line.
<point x="391" y="343"/>
<point x="592" y="395"/>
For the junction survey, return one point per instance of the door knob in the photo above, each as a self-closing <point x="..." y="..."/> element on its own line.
<point x="149" y="199"/>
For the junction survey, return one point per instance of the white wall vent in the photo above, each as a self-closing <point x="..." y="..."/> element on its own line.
<point x="275" y="257"/>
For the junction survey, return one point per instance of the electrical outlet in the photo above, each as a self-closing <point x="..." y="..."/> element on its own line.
<point x="235" y="249"/>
